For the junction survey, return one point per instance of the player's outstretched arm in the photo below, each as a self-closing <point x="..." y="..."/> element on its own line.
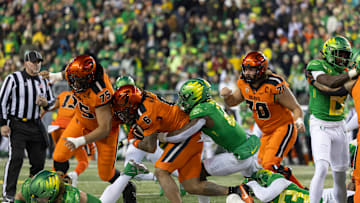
<point x="230" y="98"/>
<point x="185" y="132"/>
<point x="287" y="99"/>
<point x="104" y="120"/>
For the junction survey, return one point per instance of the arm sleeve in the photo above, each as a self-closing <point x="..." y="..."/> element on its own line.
<point x="317" y="73"/>
<point x="352" y="124"/>
<point x="5" y="93"/>
<point x="266" y="194"/>
<point x="187" y="133"/>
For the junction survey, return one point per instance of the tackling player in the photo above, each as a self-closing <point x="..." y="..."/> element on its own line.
<point x="150" y="114"/>
<point x="272" y="103"/>
<point x="206" y="115"/>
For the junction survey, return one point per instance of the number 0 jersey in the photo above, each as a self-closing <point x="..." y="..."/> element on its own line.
<point x="267" y="111"/>
<point x="324" y="107"/>
<point x="100" y="93"/>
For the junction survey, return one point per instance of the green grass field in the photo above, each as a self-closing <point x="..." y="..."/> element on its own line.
<point x="148" y="191"/>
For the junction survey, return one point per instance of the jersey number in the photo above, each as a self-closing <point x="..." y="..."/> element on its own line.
<point x="147" y="120"/>
<point x="262" y="110"/>
<point x="336" y="105"/>
<point x="67" y="103"/>
<point x="105" y="96"/>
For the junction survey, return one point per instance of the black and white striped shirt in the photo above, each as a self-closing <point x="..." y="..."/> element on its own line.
<point x="18" y="96"/>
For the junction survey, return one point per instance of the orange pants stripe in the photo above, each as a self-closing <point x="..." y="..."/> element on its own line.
<point x="106" y="148"/>
<point x="184" y="157"/>
<point x="275" y="146"/>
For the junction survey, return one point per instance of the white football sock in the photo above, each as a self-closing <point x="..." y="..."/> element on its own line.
<point x="317" y="182"/>
<point x="340" y="186"/>
<point x="113" y="192"/>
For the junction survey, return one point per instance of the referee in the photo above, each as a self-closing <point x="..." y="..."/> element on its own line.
<point x="21" y="96"/>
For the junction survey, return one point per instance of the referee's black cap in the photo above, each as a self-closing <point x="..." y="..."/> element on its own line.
<point x="33" y="56"/>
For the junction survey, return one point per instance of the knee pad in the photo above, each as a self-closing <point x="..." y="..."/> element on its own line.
<point x="61" y="166"/>
<point x="283" y="170"/>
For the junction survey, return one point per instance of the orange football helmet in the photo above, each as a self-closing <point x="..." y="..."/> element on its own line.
<point x="80" y="73"/>
<point x="126" y="101"/>
<point x="255" y="60"/>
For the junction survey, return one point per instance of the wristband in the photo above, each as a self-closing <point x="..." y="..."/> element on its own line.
<point x="77" y="141"/>
<point x="352" y="73"/>
<point x="53" y="77"/>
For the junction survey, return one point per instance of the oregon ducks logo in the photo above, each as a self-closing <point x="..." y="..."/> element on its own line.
<point x="197" y="89"/>
<point x="329" y="41"/>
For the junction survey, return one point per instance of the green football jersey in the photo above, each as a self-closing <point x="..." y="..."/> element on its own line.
<point x="324" y="107"/>
<point x="226" y="132"/>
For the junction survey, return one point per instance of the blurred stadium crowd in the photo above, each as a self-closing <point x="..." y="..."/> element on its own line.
<point x="162" y="43"/>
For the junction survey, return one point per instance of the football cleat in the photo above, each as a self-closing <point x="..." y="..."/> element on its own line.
<point x="133" y="169"/>
<point x="242" y="191"/>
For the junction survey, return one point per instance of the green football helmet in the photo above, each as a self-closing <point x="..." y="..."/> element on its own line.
<point x="44" y="184"/>
<point x="262" y="176"/>
<point x="193" y="92"/>
<point x="124" y="80"/>
<point x="337" y="52"/>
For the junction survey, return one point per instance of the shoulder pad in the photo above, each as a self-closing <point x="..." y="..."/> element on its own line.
<point x="315" y="65"/>
<point x="199" y="110"/>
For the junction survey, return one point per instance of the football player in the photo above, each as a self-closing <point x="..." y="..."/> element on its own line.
<point x="206" y="115"/>
<point x="66" y="110"/>
<point x="93" y="120"/>
<point x="273" y="105"/>
<point x="327" y="126"/>
<point x="352" y="87"/>
<point x="150" y="114"/>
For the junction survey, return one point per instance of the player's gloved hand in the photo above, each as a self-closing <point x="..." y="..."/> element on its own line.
<point x="138" y="132"/>
<point x="74" y="142"/>
<point x="309" y="77"/>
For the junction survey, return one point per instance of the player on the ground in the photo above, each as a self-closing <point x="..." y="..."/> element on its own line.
<point x="93" y="120"/>
<point x="273" y="187"/>
<point x="49" y="186"/>
<point x="327" y="125"/>
<point x="150" y="114"/>
<point x="273" y="106"/>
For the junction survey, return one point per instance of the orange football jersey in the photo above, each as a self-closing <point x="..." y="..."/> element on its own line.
<point x="267" y="112"/>
<point x="99" y="94"/>
<point x="158" y="115"/>
<point x="66" y="110"/>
